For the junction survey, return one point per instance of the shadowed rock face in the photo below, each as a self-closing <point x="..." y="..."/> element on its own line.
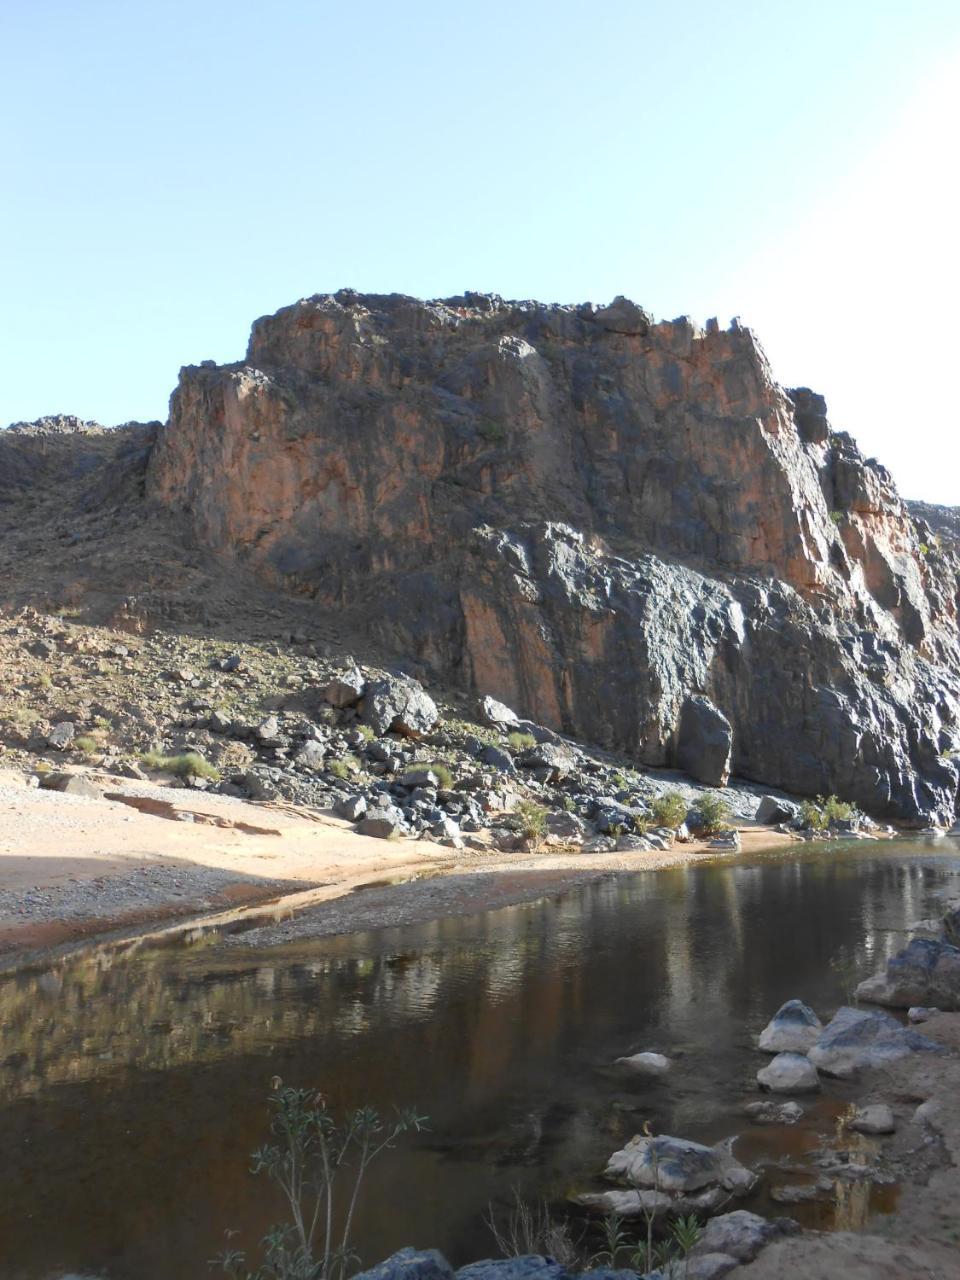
<point x="591" y="517"/>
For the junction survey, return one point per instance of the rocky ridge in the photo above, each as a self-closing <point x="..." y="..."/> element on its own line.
<point x="624" y="529"/>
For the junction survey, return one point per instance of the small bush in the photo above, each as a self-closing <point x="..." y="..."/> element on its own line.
<point x="87" y="744"/>
<point x="521" y="741"/>
<point x="365" y="732"/>
<point x="669" y="810"/>
<point x="812" y="816"/>
<point x="344" y="766"/>
<point x="836" y="810"/>
<point x="188" y="765"/>
<point x="714" y="813"/>
<point x="444" y="774"/>
<point x="818" y="814"/>
<point x="532" y="819"/>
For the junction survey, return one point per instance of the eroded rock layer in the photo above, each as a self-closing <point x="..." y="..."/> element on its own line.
<point x="595" y="518"/>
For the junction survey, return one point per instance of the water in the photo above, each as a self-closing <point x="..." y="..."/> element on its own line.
<point x="133" y="1083"/>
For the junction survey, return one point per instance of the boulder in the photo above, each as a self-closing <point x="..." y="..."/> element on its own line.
<point x="855" y="1039"/>
<point x="704" y="742"/>
<point x="774" y="1112"/>
<point x="71" y="784"/>
<point x="566" y="826"/>
<point x="497" y="758"/>
<point x="771" y="811"/>
<point x="61" y="735"/>
<point x="410" y="1264"/>
<point x="875" y="1119"/>
<point x="741" y="1235"/>
<point x="792" y="1029"/>
<point x="398" y="705"/>
<point x="677" y="1165"/>
<point x="345" y="689"/>
<point x="925" y="972"/>
<point x="351" y="807"/>
<point x="527" y="1267"/>
<point x="382" y="823"/>
<point x="312" y="755"/>
<point x="420" y="778"/>
<point x="789" y="1073"/>
<point x="728" y="841"/>
<point x="550" y="759"/>
<point x="646" y="1064"/>
<point x="497" y="714"/>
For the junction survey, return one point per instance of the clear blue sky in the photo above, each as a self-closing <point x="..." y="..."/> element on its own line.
<point x="173" y="170"/>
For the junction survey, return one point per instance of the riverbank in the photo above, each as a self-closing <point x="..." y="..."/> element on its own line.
<point x="138" y="856"/>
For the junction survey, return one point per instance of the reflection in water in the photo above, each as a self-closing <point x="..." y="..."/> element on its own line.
<point x="133" y="1082"/>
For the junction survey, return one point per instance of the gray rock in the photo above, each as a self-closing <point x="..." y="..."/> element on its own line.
<point x="634" y="844"/>
<point x="727" y="841"/>
<point x="381" y="823"/>
<point x="792" y="1029"/>
<point x="410" y="1264"/>
<point x="351" y="807"/>
<point x="674" y="1164"/>
<point x="789" y="1073"/>
<point x="71" y="784"/>
<point x="705" y="742"/>
<point x="918" y="1013"/>
<point x="61" y="735"/>
<point x="345" y="690"/>
<point x="398" y="705"/>
<point x="599" y="844"/>
<point x="529" y="1267"/>
<point x="312" y="755"/>
<point x="925" y="972"/>
<point x="706" y="1266"/>
<point x="646" y="1064"/>
<point x="554" y="760"/>
<point x="565" y="826"/>
<point x="258" y="786"/>
<point x="774" y="1112"/>
<point x="741" y="1235"/>
<point x="497" y="714"/>
<point x="771" y="811"/>
<point x="855" y="1039"/>
<point x="420" y="778"/>
<point x="875" y="1119"/>
<point x="268" y="729"/>
<point x="498" y="759"/>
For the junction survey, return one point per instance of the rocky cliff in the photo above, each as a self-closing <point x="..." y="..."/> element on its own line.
<point x="624" y="529"/>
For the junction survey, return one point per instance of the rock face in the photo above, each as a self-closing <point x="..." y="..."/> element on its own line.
<point x="594" y="519"/>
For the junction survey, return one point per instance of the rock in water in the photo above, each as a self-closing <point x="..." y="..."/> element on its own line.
<point x="646" y="1064"/>
<point x="789" y="1073"/>
<point x="925" y="972"/>
<point x="793" y="1029"/>
<point x="594" y="518"/>
<point x="855" y="1039"/>
<point x="676" y="1165"/>
<point x="876" y="1119"/>
<point x="411" y="1264"/>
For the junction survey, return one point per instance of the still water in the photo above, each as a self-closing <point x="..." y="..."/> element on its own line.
<point x="133" y="1083"/>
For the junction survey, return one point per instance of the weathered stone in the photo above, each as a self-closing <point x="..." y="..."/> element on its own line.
<point x="705" y="742"/>
<point x="774" y="1112"/>
<point x="71" y="784"/>
<point x="401" y="706"/>
<point x="345" y="689"/>
<point x="61" y="735"/>
<point x="875" y="1119"/>
<point x="497" y="714"/>
<point x="351" y="807"/>
<point x="312" y="755"/>
<point x="383" y="824"/>
<point x="646" y="1064"/>
<point x="528" y="1267"/>
<point x="566" y="826"/>
<point x="674" y="1164"/>
<point x="793" y="1029"/>
<point x="410" y="1264"/>
<point x="855" y="1039"/>
<point x="789" y="1073"/>
<point x="771" y="811"/>
<point x="741" y="1235"/>
<point x="925" y="972"/>
<point x="555" y="761"/>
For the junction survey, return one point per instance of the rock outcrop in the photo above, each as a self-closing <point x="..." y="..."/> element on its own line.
<point x="595" y="519"/>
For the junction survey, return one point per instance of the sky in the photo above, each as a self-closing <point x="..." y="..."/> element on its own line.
<point x="173" y="170"/>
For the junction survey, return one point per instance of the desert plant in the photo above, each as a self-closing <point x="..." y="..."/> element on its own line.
<point x="187" y="765"/>
<point x="343" y="766"/>
<point x="527" y="1229"/>
<point x="812" y="816"/>
<point x="835" y="809"/>
<point x="365" y="732"/>
<point x="532" y="818"/>
<point x="669" y="810"/>
<point x="615" y="1242"/>
<point x="521" y="741"/>
<point x="87" y="744"/>
<point x="319" y="1163"/>
<point x="714" y="813"/>
<point x="443" y="773"/>
<point x="818" y="814"/>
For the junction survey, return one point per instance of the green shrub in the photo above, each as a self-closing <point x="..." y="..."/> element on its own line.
<point x="834" y="809"/>
<point x="532" y="819"/>
<point x="521" y="741"/>
<point x="87" y="744"/>
<point x="818" y="814"/>
<point x="344" y="766"/>
<point x="714" y="813"/>
<point x="812" y="816"/>
<point x="365" y="732"/>
<point x="444" y="774"/>
<point x="669" y="810"/>
<point x="188" y="765"/>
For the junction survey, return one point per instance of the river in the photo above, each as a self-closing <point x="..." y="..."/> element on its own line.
<point x="134" y="1081"/>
